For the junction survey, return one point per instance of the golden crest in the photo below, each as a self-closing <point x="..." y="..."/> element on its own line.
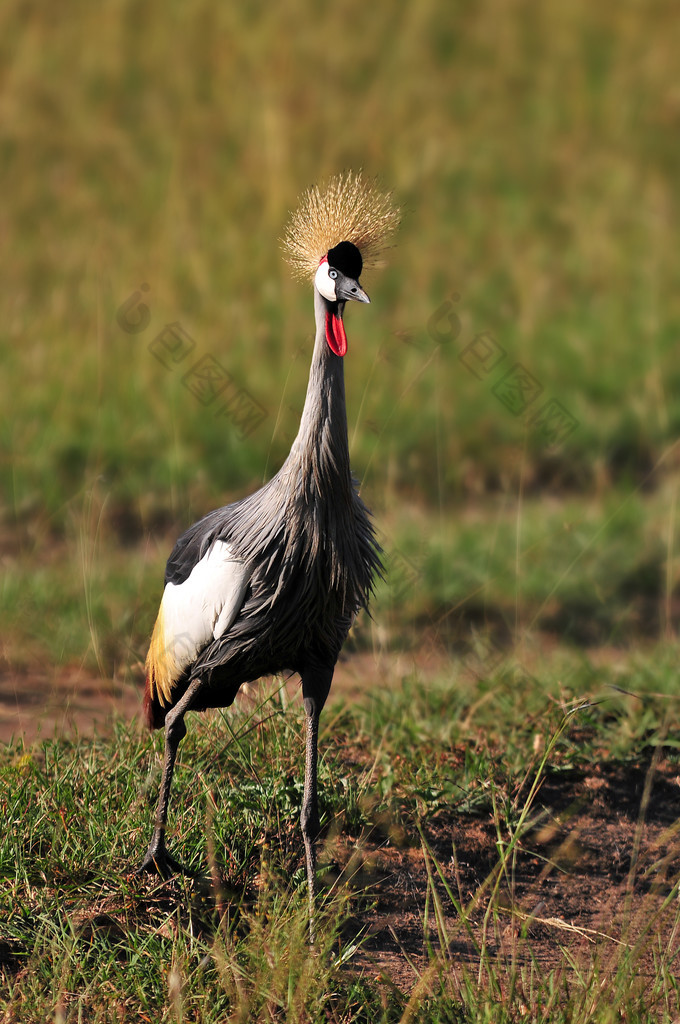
<point x="348" y="209"/>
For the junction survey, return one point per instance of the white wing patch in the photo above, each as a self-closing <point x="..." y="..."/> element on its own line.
<point x="193" y="613"/>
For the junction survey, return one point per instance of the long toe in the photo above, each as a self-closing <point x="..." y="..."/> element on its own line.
<point x="160" y="862"/>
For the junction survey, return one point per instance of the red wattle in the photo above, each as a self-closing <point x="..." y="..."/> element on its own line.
<point x="335" y="334"/>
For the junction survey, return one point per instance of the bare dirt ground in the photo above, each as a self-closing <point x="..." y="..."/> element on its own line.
<point x="592" y="878"/>
<point x="38" y="703"/>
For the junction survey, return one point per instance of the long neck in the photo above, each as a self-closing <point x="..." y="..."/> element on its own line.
<point x="320" y="450"/>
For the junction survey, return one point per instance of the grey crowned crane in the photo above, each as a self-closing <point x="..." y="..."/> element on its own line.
<point x="271" y="583"/>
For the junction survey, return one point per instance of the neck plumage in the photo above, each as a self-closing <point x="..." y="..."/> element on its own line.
<point x="320" y="453"/>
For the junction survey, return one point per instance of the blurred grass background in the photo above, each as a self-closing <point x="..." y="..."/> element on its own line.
<point x="534" y="150"/>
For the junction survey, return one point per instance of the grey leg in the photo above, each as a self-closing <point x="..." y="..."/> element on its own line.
<point x="157" y="859"/>
<point x="314" y="692"/>
<point x="309" y="818"/>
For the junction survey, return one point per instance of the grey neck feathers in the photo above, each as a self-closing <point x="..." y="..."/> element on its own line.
<point x="319" y="456"/>
<point x="307" y="527"/>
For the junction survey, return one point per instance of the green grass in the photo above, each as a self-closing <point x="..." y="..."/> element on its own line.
<point x="593" y="571"/>
<point x="84" y="939"/>
<point x="533" y="151"/>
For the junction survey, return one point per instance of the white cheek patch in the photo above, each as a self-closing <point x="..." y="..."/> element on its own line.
<point x="325" y="285"/>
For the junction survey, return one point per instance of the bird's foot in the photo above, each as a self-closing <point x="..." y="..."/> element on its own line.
<point x="157" y="861"/>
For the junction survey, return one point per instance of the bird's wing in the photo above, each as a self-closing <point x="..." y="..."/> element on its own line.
<point x="196" y="542"/>
<point x="192" y="613"/>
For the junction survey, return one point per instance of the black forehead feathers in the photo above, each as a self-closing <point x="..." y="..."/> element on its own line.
<point x="346" y="258"/>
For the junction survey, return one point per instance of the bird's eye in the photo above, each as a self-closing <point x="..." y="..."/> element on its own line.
<point x="332" y="274"/>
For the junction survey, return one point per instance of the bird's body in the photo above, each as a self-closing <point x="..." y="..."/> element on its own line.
<point x="300" y="553"/>
<point x="272" y="582"/>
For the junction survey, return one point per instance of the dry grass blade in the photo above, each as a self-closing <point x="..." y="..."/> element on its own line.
<point x="590" y="934"/>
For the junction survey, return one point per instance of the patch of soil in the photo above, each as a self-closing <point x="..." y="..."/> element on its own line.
<point x="36" y="702"/>
<point x="589" y="886"/>
<point x="593" y="877"/>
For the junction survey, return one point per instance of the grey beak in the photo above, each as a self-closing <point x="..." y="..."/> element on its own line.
<point x="358" y="293"/>
<point x="348" y="289"/>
